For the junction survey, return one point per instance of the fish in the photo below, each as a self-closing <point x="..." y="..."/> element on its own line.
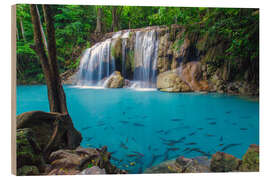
<point x="122" y="145"/>
<point x="88" y="138"/>
<point x="173" y="149"/>
<point x="138" y="124"/>
<point x="127" y="140"/>
<point x="166" y="156"/>
<point x="144" y="116"/>
<point x="85" y="128"/>
<point x="192" y="143"/>
<point x="114" y="158"/>
<point x="212" y="123"/>
<point x="133" y="139"/>
<point x="123" y="122"/>
<point x="243" y="129"/>
<point x="123" y="113"/>
<point x="186" y="149"/>
<point x="220" y="144"/>
<point x="200" y="128"/>
<point x="234" y="123"/>
<point x="209" y="135"/>
<point x="221" y="138"/>
<point x="186" y="127"/>
<point x="136" y="152"/>
<point x="229" y="146"/>
<point x="176" y="119"/>
<point x="191" y="134"/>
<point x="132" y="155"/>
<point x="149" y="148"/>
<point x="228" y="112"/>
<point x="199" y="151"/>
<point x="172" y="142"/>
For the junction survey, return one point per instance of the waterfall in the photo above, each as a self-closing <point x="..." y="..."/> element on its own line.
<point x="97" y="63"/>
<point x="145" y="59"/>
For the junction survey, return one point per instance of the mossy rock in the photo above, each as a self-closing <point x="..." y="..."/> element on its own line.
<point x="250" y="162"/>
<point x="116" y="53"/>
<point x="28" y="153"/>
<point x="223" y="162"/>
<point x="28" y="171"/>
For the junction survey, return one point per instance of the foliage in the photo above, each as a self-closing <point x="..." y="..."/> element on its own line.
<point x="74" y="24"/>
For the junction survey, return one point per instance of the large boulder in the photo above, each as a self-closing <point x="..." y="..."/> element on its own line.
<point x="28" y="153"/>
<point x="171" y="82"/>
<point x="223" y="162"/>
<point x="250" y="160"/>
<point x="53" y="131"/>
<point x="69" y="162"/>
<point x="192" y="74"/>
<point x="115" y="80"/>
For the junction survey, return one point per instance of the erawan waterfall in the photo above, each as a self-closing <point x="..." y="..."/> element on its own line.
<point x="133" y="54"/>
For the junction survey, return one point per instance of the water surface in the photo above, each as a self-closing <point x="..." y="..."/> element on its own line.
<point x="144" y="128"/>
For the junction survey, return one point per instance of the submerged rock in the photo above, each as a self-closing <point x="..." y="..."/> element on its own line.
<point x="223" y="162"/>
<point x="114" y="81"/>
<point x="171" y="82"/>
<point x="250" y="160"/>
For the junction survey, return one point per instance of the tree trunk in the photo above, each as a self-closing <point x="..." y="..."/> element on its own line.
<point x="22" y="29"/>
<point x="42" y="31"/>
<point x="56" y="95"/>
<point x="99" y="20"/>
<point x="116" y="12"/>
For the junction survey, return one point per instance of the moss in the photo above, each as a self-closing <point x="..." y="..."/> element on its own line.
<point x="251" y="159"/>
<point x="28" y="170"/>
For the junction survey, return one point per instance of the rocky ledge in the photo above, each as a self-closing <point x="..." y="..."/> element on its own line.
<point x="220" y="162"/>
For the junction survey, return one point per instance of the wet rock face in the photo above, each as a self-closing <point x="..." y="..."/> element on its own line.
<point x="69" y="162"/>
<point x="29" y="156"/>
<point x="53" y="131"/>
<point x="223" y="162"/>
<point x="115" y="81"/>
<point x="250" y="162"/>
<point x="171" y="82"/>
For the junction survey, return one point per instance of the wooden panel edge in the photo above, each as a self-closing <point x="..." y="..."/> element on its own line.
<point x="13" y="90"/>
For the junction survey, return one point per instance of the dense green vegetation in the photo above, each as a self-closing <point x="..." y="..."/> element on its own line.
<point x="77" y="27"/>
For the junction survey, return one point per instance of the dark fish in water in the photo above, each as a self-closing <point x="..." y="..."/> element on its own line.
<point x="133" y="139"/>
<point x="113" y="152"/>
<point x="193" y="133"/>
<point x="140" y="170"/>
<point x="166" y="155"/>
<point x="88" y="138"/>
<point x="199" y="151"/>
<point x="229" y="146"/>
<point x="221" y="138"/>
<point x="210" y="118"/>
<point x="200" y="128"/>
<point x="166" y="132"/>
<point x="209" y="135"/>
<point x="123" y="122"/>
<point x="127" y="140"/>
<point x="186" y="149"/>
<point x="114" y="158"/>
<point x="228" y="112"/>
<point x="212" y="123"/>
<point x="173" y="149"/>
<point x="123" y="113"/>
<point x="220" y="144"/>
<point x="85" y="128"/>
<point x="155" y="149"/>
<point x="160" y="131"/>
<point x="138" y="153"/>
<point x="176" y="119"/>
<point x="173" y="142"/>
<point x="234" y="124"/>
<point x="243" y="129"/>
<point x="122" y="145"/>
<point x="149" y="148"/>
<point x="138" y="124"/>
<point x="185" y="127"/>
<point x="192" y="143"/>
<point x="132" y="155"/>
<point x="144" y="117"/>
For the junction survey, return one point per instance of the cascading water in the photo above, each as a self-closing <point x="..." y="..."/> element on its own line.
<point x="97" y="62"/>
<point x="145" y="59"/>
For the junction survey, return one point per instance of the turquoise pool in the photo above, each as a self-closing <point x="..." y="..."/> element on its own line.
<point x="144" y="128"/>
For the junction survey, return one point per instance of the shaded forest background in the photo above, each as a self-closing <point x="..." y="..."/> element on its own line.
<point x="79" y="27"/>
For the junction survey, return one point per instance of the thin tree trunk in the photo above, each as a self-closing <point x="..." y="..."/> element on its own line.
<point x="99" y="22"/>
<point x="56" y="95"/>
<point x="42" y="31"/>
<point x="17" y="34"/>
<point x="22" y="29"/>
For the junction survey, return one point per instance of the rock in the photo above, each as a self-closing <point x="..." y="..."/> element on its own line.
<point x="192" y="75"/>
<point x="193" y="165"/>
<point x="115" y="80"/>
<point x="69" y="76"/>
<point x="164" y="167"/>
<point x="28" y="171"/>
<point x="70" y="162"/>
<point x="223" y="162"/>
<point x="250" y="160"/>
<point x="53" y="131"/>
<point x="28" y="153"/>
<point x="92" y="170"/>
<point x="171" y="82"/>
